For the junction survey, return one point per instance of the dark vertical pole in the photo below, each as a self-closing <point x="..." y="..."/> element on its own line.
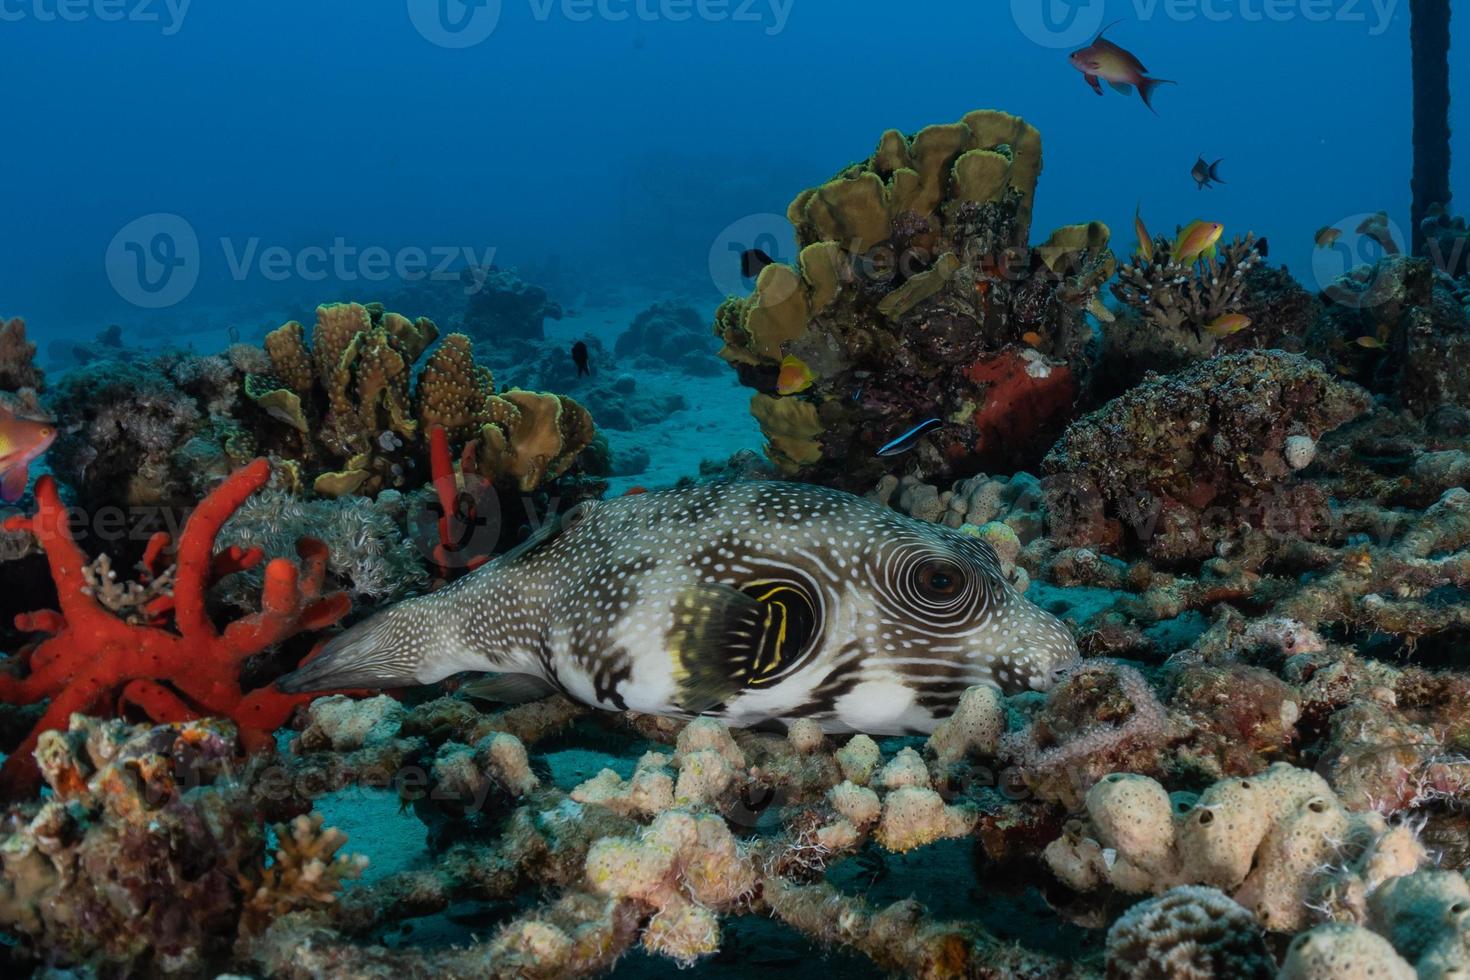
<point x="1429" y="44"/>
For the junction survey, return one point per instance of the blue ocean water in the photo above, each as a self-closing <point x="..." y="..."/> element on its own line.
<point x="626" y="137"/>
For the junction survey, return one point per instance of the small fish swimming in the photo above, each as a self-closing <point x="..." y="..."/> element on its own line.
<point x="909" y="439"/>
<point x="1145" y="240"/>
<point x="1205" y="174"/>
<point x="1371" y="343"/>
<point x="1326" y="235"/>
<point x="753" y="602"/>
<point x="22" y="441"/>
<point x="1227" y="324"/>
<point x="579" y="358"/>
<point x="1104" y="60"/>
<point x="1197" y="240"/>
<point x="752" y="261"/>
<point x="794" y="376"/>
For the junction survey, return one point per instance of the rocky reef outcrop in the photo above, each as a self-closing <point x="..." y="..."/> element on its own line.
<point x="1181" y="463"/>
<point x="917" y="295"/>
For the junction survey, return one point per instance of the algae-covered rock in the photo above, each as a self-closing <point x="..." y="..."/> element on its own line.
<point x="1185" y="461"/>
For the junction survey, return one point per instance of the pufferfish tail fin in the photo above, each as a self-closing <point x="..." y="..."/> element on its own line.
<point x="379" y="652"/>
<point x="725" y="640"/>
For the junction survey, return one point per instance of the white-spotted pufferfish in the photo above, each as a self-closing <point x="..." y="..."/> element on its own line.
<point x="752" y="602"/>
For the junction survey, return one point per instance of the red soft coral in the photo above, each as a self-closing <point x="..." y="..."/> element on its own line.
<point x="174" y="671"/>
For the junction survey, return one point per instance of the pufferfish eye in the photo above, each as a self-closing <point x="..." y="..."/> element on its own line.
<point x="940" y="579"/>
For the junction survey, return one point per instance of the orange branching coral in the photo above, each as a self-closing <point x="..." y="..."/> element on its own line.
<point x="307" y="873"/>
<point x="176" y="665"/>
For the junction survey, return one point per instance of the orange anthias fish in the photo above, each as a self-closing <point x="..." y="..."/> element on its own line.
<point x="1197" y="240"/>
<point x="1104" y="60"/>
<point x="21" y="441"/>
<point x="1145" y="241"/>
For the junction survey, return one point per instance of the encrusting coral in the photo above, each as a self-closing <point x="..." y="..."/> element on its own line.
<point x="178" y="665"/>
<point x="916" y="295"/>
<point x="348" y="407"/>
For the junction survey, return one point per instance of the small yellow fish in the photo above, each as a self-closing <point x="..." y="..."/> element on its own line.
<point x="1326" y="235"/>
<point x="1197" y="240"/>
<point x="795" y="376"/>
<point x="1224" y="326"/>
<point x="1372" y="343"/>
<point x="1145" y="241"/>
<point x="1032" y="337"/>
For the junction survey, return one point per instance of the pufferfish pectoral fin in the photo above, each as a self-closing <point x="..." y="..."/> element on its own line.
<point x="714" y="643"/>
<point x="726" y="640"/>
<point x="508" y="688"/>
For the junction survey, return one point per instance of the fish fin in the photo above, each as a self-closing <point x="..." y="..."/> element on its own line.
<point x="1107" y="28"/>
<point x="371" y="654"/>
<point x="726" y="639"/>
<point x="509" y="688"/>
<point x="13" y="483"/>
<point x="1215" y="174"/>
<point x="1092" y="80"/>
<point x="713" y="643"/>
<point x="1122" y="88"/>
<point x="1146" y="88"/>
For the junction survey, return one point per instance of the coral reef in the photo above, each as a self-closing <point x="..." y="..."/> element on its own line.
<point x="1182" y="463"/>
<point x="349" y="409"/>
<point x="147" y="858"/>
<point x="133" y="434"/>
<point x="1171" y="295"/>
<point x="92" y="658"/>
<point x="502" y="307"/>
<point x="915" y="296"/>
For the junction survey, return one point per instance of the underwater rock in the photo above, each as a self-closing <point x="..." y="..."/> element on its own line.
<point x="916" y="296"/>
<point x="501" y="307"/>
<point x="1184" y="462"/>
<point x="18" y="358"/>
<point x="1399" y="328"/>
<point x="669" y="336"/>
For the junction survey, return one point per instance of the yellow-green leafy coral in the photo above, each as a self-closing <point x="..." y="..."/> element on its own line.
<point x="362" y="418"/>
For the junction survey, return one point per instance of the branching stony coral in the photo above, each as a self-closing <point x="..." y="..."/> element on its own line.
<point x="654" y="860"/>
<point x="307" y="872"/>
<point x="1177" y="296"/>
<point x="367" y="551"/>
